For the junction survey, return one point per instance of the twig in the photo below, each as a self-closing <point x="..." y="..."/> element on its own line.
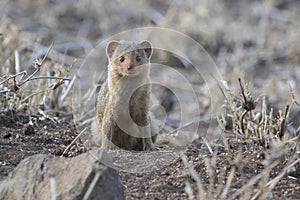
<point x="17" y="61"/>
<point x="271" y="184"/>
<point x="197" y="120"/>
<point x="195" y="176"/>
<point x="188" y="189"/>
<point x="208" y="145"/>
<point x="181" y="127"/>
<point x="242" y="123"/>
<point x="72" y="65"/>
<point x="249" y="184"/>
<point x="282" y="125"/>
<point x="47" y="52"/>
<point x="3" y="91"/>
<point x="53" y="187"/>
<point x="229" y="102"/>
<point x="51" y="87"/>
<point x="298" y="131"/>
<point x="211" y="166"/>
<point x="92" y="185"/>
<point x="274" y="181"/>
<point x="13" y="76"/>
<point x="50" y="77"/>
<point x="55" y="55"/>
<point x="36" y="93"/>
<point x="67" y="148"/>
<point x="228" y="182"/>
<point x="63" y="96"/>
<point x="242" y="90"/>
<point x="237" y="134"/>
<point x="293" y="96"/>
<point x="37" y="65"/>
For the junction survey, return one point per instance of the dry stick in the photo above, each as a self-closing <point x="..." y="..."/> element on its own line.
<point x="17" y="61"/>
<point x="298" y="131"/>
<point x="248" y="105"/>
<point x="263" y="118"/>
<point x="67" y="148"/>
<point x="228" y="182"/>
<point x="246" y="111"/>
<point x="220" y="185"/>
<point x="84" y="116"/>
<point x="251" y="182"/>
<point x="198" y="119"/>
<point x="195" y="176"/>
<point x="87" y="121"/>
<point x="237" y="134"/>
<point x="242" y="90"/>
<point x="4" y="91"/>
<point x="71" y="83"/>
<point x="242" y="122"/>
<point x="293" y="96"/>
<point x="269" y="130"/>
<point x="273" y="182"/>
<point x="282" y="125"/>
<point x="38" y="66"/>
<point x="294" y="139"/>
<point x="92" y="185"/>
<point x="208" y="145"/>
<point x="188" y="189"/>
<point x="54" y="55"/>
<point x="235" y="120"/>
<point x="50" y="77"/>
<point x="224" y="94"/>
<point x="36" y="93"/>
<point x="263" y="191"/>
<point x="63" y="96"/>
<point x="52" y="87"/>
<point x="13" y="76"/>
<point x="211" y="168"/>
<point x="53" y="187"/>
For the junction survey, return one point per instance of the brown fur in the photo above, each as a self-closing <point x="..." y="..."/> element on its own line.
<point x="125" y="96"/>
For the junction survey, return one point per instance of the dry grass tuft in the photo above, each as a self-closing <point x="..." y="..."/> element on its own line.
<point x="40" y="91"/>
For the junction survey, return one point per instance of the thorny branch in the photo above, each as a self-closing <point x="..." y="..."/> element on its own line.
<point x="248" y="105"/>
<point x="11" y="84"/>
<point x="37" y="65"/>
<point x="260" y="124"/>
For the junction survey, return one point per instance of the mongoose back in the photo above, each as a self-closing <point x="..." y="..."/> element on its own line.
<point x="123" y="102"/>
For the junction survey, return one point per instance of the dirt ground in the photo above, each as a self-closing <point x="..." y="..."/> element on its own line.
<point x="255" y="40"/>
<point x="19" y="140"/>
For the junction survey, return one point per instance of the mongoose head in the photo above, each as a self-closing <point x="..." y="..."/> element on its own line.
<point x="128" y="58"/>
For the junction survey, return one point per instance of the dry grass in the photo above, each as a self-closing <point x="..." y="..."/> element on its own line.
<point x="34" y="92"/>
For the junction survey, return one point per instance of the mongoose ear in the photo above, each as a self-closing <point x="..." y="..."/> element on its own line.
<point x="111" y="47"/>
<point x="147" y="47"/>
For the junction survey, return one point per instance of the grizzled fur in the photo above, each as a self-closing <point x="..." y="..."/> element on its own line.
<point x="123" y="116"/>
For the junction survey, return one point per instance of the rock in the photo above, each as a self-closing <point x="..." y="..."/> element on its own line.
<point x="43" y="177"/>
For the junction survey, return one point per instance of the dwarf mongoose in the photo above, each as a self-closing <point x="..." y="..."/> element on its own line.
<point x="122" y="107"/>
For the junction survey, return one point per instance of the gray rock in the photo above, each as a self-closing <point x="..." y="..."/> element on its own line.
<point x="46" y="177"/>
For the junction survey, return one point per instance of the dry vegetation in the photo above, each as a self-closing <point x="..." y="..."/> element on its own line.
<point x="254" y="151"/>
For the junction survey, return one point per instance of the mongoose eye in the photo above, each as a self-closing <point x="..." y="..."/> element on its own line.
<point x="121" y="59"/>
<point x="138" y="58"/>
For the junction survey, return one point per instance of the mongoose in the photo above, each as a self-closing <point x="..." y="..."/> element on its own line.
<point x="122" y="107"/>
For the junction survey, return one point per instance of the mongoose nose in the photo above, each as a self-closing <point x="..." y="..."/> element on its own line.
<point x="129" y="67"/>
